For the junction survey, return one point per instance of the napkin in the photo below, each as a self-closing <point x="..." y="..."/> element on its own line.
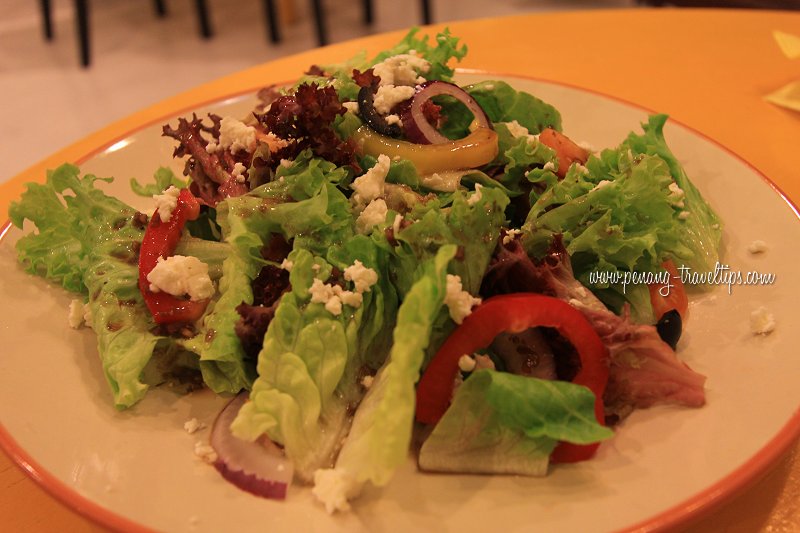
<point x="787" y="96"/>
<point x="788" y="43"/>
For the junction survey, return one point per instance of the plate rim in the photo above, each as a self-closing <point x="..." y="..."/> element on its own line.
<point x="689" y="510"/>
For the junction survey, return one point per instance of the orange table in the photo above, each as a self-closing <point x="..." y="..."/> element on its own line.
<point x="709" y="69"/>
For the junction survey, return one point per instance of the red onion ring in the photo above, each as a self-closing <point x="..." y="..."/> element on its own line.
<point x="417" y="127"/>
<point x="258" y="467"/>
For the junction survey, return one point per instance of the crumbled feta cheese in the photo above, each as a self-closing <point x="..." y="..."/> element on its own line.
<point x="510" y="235"/>
<point x="212" y="147"/>
<point x="193" y="425"/>
<point x="236" y="135"/>
<point x="600" y="185"/>
<point x="334" y="305"/>
<point x="334" y="296"/>
<point x="516" y="129"/>
<point x="333" y="487"/>
<point x="757" y="247"/>
<point x="476" y="196"/>
<point x="402" y="69"/>
<point x="288" y="265"/>
<point x="372" y="215"/>
<point x="167" y="202"/>
<point x="582" y="169"/>
<point x="76" y="314"/>
<point x="286" y="163"/>
<point x="179" y="275"/>
<point x="367" y="381"/>
<point x="362" y="277"/>
<point x="388" y="96"/>
<point x="320" y="291"/>
<point x="676" y="195"/>
<point x="398" y="219"/>
<point x="352" y="107"/>
<point x="676" y="191"/>
<point x="353" y="299"/>
<point x="370" y="185"/>
<point x="238" y="172"/>
<point x="205" y="452"/>
<point x="549" y="166"/>
<point x="683" y="215"/>
<point x="393" y="119"/>
<point x="587" y="146"/>
<point x="466" y="363"/>
<point x="459" y="302"/>
<point x="762" y="322"/>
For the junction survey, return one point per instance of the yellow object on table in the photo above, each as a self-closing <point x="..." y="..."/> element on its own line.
<point x="709" y="69"/>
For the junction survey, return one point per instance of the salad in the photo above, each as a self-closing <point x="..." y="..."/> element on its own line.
<point x="377" y="262"/>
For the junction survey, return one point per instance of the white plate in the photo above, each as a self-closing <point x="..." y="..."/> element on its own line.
<point x="136" y="469"/>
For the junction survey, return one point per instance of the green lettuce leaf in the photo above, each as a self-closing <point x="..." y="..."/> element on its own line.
<point x="444" y="48"/>
<point x="163" y="179"/>
<point x="303" y="205"/>
<point x="86" y="241"/>
<point x="701" y="230"/>
<point x="518" y="156"/>
<point x="70" y="227"/>
<point x="620" y="214"/>
<point x="502" y="103"/>
<point x="501" y="423"/>
<point x="311" y="359"/>
<point x="474" y="227"/>
<point x="440" y="53"/>
<point x="381" y="433"/>
<point x="222" y="358"/>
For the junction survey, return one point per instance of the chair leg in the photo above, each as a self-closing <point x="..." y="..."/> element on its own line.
<point x="47" y="19"/>
<point x="161" y="8"/>
<point x="426" y="12"/>
<point x="319" y="21"/>
<point x="205" y="21"/>
<point x="82" y="20"/>
<point x="272" y="21"/>
<point x="369" y="16"/>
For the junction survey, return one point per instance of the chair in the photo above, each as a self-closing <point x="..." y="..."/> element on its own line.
<point x="204" y="21"/>
<point x="82" y="23"/>
<point x="368" y="14"/>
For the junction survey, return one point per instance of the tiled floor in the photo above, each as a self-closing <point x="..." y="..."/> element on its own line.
<point x="49" y="101"/>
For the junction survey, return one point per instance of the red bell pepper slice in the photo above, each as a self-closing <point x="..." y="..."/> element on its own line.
<point x="676" y="299"/>
<point x="160" y="240"/>
<point x="514" y="313"/>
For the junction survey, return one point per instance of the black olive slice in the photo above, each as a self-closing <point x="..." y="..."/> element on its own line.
<point x="669" y="328"/>
<point x="366" y="108"/>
